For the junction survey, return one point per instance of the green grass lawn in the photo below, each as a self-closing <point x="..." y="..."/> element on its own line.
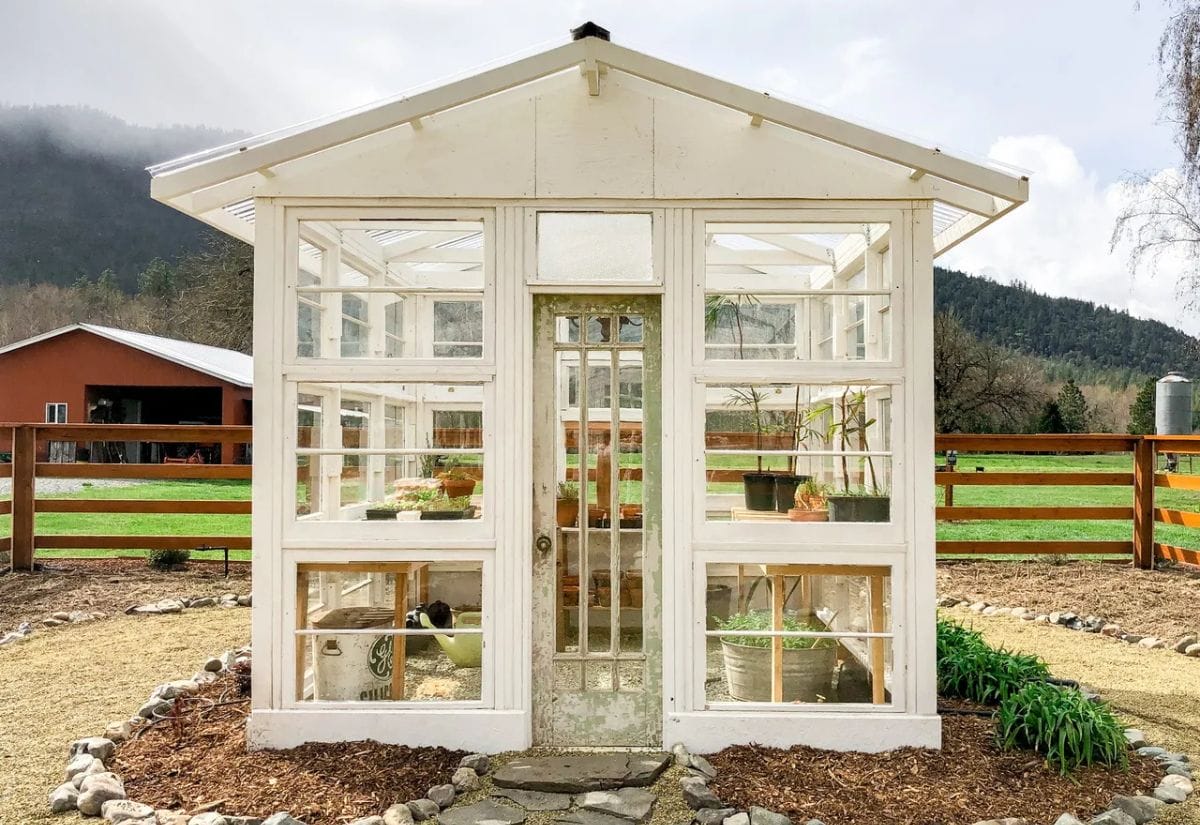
<point x="145" y="524"/>
<point x="226" y="525"/>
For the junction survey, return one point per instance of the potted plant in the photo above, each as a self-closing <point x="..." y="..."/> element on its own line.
<point x="808" y="663"/>
<point x="456" y="480"/>
<point x="810" y="503"/>
<point x="631" y="516"/>
<point x="414" y="500"/>
<point x="870" y="501"/>
<point x="566" y="506"/>
<point x="383" y="511"/>
<point x="448" y="509"/>
<point x="758" y="486"/>
<point x="803" y="425"/>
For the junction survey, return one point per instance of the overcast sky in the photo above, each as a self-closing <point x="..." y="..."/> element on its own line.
<point x="1063" y="88"/>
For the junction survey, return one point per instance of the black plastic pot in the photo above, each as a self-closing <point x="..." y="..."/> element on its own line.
<point x="786" y="486"/>
<point x="860" y="508"/>
<point x="760" y="491"/>
<point x="380" y="514"/>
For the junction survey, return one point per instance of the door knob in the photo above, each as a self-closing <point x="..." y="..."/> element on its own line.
<point x="543" y="543"/>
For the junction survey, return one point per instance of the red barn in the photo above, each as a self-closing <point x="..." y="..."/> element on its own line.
<point x="86" y="373"/>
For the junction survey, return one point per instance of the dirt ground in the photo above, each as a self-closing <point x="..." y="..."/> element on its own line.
<point x="1157" y="691"/>
<point x="107" y="586"/>
<point x="1163" y="603"/>
<point x="70" y="681"/>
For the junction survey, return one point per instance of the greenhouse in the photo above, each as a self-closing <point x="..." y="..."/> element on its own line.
<point x="593" y="407"/>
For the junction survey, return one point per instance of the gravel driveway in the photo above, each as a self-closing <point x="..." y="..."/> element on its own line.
<point x="58" y="486"/>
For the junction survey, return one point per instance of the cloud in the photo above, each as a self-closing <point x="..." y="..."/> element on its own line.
<point x="1059" y="242"/>
<point x="860" y="65"/>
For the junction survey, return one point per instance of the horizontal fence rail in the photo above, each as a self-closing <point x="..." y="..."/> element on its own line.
<point x="25" y="469"/>
<point x="1141" y="480"/>
<point x="1143" y="453"/>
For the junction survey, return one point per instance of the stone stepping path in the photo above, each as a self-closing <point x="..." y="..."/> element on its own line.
<point x="580" y="773"/>
<point x="580" y="789"/>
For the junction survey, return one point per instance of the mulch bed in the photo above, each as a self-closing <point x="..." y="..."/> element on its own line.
<point x="1163" y="602"/>
<point x="108" y="585"/>
<point x="201" y="763"/>
<point x="968" y="780"/>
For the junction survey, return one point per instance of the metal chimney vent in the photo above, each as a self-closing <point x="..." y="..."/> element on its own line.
<point x="589" y="29"/>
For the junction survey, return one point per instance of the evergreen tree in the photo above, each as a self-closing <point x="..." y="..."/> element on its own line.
<point x="1051" y="419"/>
<point x="1141" y="411"/>
<point x="1072" y="407"/>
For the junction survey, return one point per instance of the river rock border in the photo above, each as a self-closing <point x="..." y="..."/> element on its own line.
<point x="710" y="810"/>
<point x="1188" y="645"/>
<point x="93" y="790"/>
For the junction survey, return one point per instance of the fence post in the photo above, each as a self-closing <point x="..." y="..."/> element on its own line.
<point x="1143" y="503"/>
<point x="24" y="457"/>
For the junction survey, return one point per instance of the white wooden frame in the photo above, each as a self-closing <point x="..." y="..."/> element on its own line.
<point x="503" y="720"/>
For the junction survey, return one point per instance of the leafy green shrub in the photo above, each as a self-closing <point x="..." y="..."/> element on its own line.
<point x="168" y="559"/>
<point x="760" y="620"/>
<point x="968" y="668"/>
<point x="1062" y="724"/>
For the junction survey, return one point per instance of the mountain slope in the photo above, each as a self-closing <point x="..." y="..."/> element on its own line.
<point x="1084" y="336"/>
<point x="74" y="195"/>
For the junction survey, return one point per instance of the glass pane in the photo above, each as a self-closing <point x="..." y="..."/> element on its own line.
<point x="382" y="293"/>
<point x="599" y="329"/>
<point x="567" y="329"/>
<point x="745" y="598"/>
<point x="362" y="666"/>
<point x="798" y="452"/>
<point x="594" y="246"/>
<point x="630" y="327"/>
<point x="424" y="458"/>
<point x="763" y="285"/>
<point x="457" y="329"/>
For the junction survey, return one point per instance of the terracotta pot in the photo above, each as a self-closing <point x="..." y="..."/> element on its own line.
<point x="566" y="512"/>
<point x="598" y="517"/>
<point x="458" y="487"/>
<point x="796" y="514"/>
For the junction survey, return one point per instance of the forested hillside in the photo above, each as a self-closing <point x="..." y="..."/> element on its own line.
<point x="1099" y="343"/>
<point x="74" y="195"/>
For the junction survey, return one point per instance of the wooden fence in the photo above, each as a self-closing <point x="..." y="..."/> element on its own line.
<point x="25" y="469"/>
<point x="1142" y="478"/>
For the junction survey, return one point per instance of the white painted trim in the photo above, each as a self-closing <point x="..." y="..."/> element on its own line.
<point x="869" y="732"/>
<point x="487" y="731"/>
<point x="167" y="185"/>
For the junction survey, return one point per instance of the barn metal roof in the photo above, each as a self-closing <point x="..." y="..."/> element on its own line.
<point x="225" y="364"/>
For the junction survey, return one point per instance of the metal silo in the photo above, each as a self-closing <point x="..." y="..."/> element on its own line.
<point x="1173" y="405"/>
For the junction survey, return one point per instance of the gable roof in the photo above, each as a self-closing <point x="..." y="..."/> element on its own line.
<point x="216" y="186"/>
<point x="225" y="364"/>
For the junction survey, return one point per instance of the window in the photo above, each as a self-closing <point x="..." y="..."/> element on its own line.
<point x="360" y="635"/>
<point x="797" y="291"/>
<point x="797" y="452"/>
<point x="390" y="289"/>
<point x="782" y="634"/>
<point x="594" y="246"/>
<point x="388" y="452"/>
<point x="56" y="413"/>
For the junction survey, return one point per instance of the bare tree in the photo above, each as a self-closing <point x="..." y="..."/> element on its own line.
<point x="977" y="386"/>
<point x="1160" y="214"/>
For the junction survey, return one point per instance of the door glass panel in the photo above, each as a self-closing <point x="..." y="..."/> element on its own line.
<point x="600" y="461"/>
